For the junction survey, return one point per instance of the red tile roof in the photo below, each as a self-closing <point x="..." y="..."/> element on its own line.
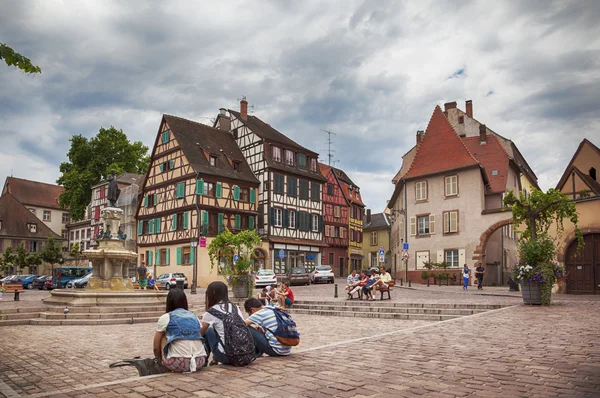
<point x="14" y="217"/>
<point x="440" y="149"/>
<point x="33" y="193"/>
<point x="342" y="178"/>
<point x="491" y="156"/>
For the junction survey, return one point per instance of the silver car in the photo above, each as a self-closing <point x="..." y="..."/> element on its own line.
<point x="169" y="280"/>
<point x="265" y="277"/>
<point x="322" y="273"/>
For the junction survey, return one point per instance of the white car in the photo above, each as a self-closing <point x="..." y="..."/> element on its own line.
<point x="265" y="277"/>
<point x="169" y="280"/>
<point x="322" y="273"/>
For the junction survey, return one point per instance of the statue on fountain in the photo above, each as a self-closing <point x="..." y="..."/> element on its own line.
<point x="113" y="189"/>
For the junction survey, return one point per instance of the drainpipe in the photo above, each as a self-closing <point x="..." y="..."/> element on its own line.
<point x="405" y="228"/>
<point x="197" y="248"/>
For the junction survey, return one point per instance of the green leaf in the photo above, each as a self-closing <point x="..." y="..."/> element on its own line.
<point x="13" y="58"/>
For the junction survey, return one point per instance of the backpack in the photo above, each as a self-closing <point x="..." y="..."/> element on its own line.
<point x="238" y="344"/>
<point x="286" y="332"/>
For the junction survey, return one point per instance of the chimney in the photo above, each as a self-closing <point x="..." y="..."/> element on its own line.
<point x="368" y="216"/>
<point x="449" y="105"/>
<point x="224" y="120"/>
<point x="469" y="108"/>
<point x="482" y="134"/>
<point x="420" y="136"/>
<point x="244" y="108"/>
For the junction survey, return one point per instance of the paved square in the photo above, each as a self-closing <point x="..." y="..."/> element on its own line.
<point x="514" y="351"/>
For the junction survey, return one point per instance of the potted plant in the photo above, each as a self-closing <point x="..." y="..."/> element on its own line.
<point x="537" y="269"/>
<point x="425" y="275"/>
<point x="237" y="250"/>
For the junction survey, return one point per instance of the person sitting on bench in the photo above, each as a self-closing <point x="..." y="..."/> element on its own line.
<point x="383" y="281"/>
<point x="353" y="278"/>
<point x="359" y="284"/>
<point x="368" y="287"/>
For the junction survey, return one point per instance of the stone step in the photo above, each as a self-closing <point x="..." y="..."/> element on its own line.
<point x="14" y="322"/>
<point x="379" y="303"/>
<point x="21" y="310"/>
<point x="17" y="316"/>
<point x="79" y="322"/>
<point x="382" y="315"/>
<point x="103" y="315"/>
<point x="105" y="310"/>
<point x="390" y="310"/>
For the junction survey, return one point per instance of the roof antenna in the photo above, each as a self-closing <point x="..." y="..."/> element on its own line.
<point x="329" y="142"/>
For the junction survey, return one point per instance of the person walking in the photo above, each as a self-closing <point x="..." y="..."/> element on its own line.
<point x="142" y="279"/>
<point x="479" y="272"/>
<point x="466" y="272"/>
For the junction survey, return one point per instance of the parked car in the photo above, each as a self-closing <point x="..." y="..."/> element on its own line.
<point x="38" y="283"/>
<point x="25" y="280"/>
<point x="322" y="273"/>
<point x="169" y="280"/>
<point x="48" y="284"/>
<point x="82" y="282"/>
<point x="265" y="277"/>
<point x="298" y="276"/>
<point x="6" y="279"/>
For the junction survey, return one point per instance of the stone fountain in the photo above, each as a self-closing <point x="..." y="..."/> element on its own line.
<point x="109" y="283"/>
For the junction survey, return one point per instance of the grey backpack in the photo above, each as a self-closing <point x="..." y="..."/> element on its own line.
<point x="238" y="344"/>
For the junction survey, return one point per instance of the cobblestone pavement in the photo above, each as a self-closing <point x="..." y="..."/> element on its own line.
<point x="515" y="351"/>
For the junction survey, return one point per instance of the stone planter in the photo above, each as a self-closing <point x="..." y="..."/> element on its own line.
<point x="532" y="293"/>
<point x="239" y="288"/>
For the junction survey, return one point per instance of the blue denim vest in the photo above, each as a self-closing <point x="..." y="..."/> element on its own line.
<point x="182" y="325"/>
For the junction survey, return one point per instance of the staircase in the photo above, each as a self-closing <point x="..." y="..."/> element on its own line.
<point x="113" y="315"/>
<point x="378" y="309"/>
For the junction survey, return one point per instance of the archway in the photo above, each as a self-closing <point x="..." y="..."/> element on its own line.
<point x="497" y="251"/>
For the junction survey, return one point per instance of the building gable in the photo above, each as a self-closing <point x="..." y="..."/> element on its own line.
<point x="440" y="149"/>
<point x="33" y="193"/>
<point x="585" y="161"/>
<point x="15" y="220"/>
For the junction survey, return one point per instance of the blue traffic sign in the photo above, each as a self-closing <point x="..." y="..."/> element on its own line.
<point x="310" y="257"/>
<point x="236" y="257"/>
<point x="381" y="253"/>
<point x="281" y="254"/>
<point x="405" y="246"/>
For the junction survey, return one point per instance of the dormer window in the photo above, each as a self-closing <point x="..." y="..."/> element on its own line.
<point x="213" y="161"/>
<point x="461" y="120"/>
<point x="276" y="153"/>
<point x="592" y="173"/>
<point x="289" y="157"/>
<point x="301" y="160"/>
<point x="313" y="164"/>
<point x="236" y="166"/>
<point x="32" y="227"/>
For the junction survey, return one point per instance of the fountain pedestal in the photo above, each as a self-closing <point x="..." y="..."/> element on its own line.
<point x="109" y="284"/>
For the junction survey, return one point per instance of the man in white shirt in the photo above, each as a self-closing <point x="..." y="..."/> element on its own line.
<point x="383" y="281"/>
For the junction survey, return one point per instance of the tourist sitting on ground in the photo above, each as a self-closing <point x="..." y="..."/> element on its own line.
<point x="285" y="296"/>
<point x="359" y="284"/>
<point x="178" y="343"/>
<point x="264" y="297"/>
<point x="218" y="308"/>
<point x="383" y="280"/>
<point x="367" y="288"/>
<point x="263" y="323"/>
<point x="352" y="280"/>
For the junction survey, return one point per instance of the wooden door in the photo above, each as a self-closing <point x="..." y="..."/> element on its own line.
<point x="583" y="267"/>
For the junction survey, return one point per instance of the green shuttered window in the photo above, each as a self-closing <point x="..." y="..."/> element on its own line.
<point x="186" y="217"/>
<point x="165" y="136"/>
<point x="220" y="222"/>
<point x="180" y="190"/>
<point x="157" y="225"/>
<point x="179" y="255"/>
<point x="149" y="256"/>
<point x="174" y="227"/>
<point x="219" y="190"/>
<point x="236" y="192"/>
<point x="157" y="256"/>
<point x="192" y="254"/>
<point x="251" y="222"/>
<point x="151" y="226"/>
<point x="140" y="227"/>
<point x="168" y="256"/>
<point x="199" y="187"/>
<point x="252" y="195"/>
<point x="237" y="221"/>
<point x="146" y="201"/>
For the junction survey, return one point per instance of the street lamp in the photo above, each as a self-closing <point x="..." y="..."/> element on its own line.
<point x="194" y="244"/>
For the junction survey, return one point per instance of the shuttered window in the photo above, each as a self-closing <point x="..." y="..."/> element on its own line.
<point x="236" y="192"/>
<point x="237" y="221"/>
<point x="292" y="187"/>
<point x="204" y="223"/>
<point x="140" y="227"/>
<point x="157" y="223"/>
<point x="450" y="221"/>
<point x="219" y="190"/>
<point x="451" y="185"/>
<point x="151" y="226"/>
<point x="251" y="222"/>
<point x="168" y="256"/>
<point x="252" y="195"/>
<point x="180" y="190"/>
<point x="315" y="191"/>
<point x="303" y="189"/>
<point x="301" y="160"/>
<point x="179" y="255"/>
<point x="157" y="256"/>
<point x="220" y="222"/>
<point x="165" y="136"/>
<point x="186" y="217"/>
<point x="278" y="183"/>
<point x="421" y="190"/>
<point x="174" y="226"/>
<point x="199" y="187"/>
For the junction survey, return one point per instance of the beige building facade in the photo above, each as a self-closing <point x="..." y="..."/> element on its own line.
<point x="447" y="204"/>
<point x="376" y="230"/>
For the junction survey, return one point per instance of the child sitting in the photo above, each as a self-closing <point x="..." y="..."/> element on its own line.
<point x="264" y="297"/>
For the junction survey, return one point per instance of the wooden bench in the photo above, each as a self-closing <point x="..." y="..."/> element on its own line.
<point x="14" y="287"/>
<point x="157" y="286"/>
<point x="387" y="289"/>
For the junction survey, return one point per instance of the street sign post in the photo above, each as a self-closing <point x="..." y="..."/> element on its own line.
<point x="281" y="254"/>
<point x="405" y="246"/>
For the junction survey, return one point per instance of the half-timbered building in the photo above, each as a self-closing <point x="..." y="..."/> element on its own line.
<point x="356" y="209"/>
<point x="198" y="184"/>
<point x="290" y="207"/>
<point x="336" y="220"/>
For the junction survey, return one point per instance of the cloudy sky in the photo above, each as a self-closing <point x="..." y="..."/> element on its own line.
<point x="370" y="71"/>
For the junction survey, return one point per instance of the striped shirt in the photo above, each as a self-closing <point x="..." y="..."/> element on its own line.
<point x="266" y="319"/>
